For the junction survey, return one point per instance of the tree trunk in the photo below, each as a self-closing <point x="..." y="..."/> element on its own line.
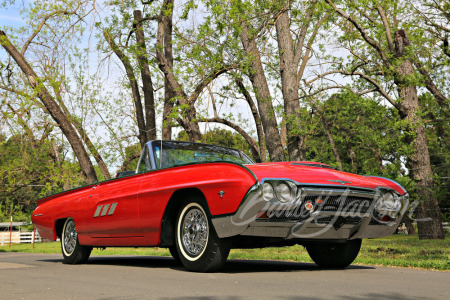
<point x="409" y="225"/>
<point x="256" y="117"/>
<point x="149" y="98"/>
<point x="263" y="97"/>
<point x="352" y="157"/>
<point x="188" y="119"/>
<point x="289" y="87"/>
<point x="169" y="94"/>
<point x="429" y="221"/>
<point x="53" y="108"/>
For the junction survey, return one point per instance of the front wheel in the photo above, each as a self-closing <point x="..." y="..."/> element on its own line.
<point x="198" y="246"/>
<point x="174" y="252"/>
<point x="334" y="255"/>
<point x="72" y="251"/>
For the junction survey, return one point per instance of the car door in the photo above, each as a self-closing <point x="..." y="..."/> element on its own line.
<point x="113" y="213"/>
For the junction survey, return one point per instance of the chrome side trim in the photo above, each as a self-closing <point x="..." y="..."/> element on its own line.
<point x="112" y="209"/>
<point x="105" y="210"/>
<point x="97" y="212"/>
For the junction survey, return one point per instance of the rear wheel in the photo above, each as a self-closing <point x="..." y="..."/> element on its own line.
<point x="334" y="255"/>
<point x="198" y="246"/>
<point x="72" y="251"/>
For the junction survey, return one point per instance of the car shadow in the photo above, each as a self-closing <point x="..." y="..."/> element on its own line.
<point x="232" y="266"/>
<point x="254" y="266"/>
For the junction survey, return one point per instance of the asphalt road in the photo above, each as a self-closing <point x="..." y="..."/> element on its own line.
<point x="44" y="276"/>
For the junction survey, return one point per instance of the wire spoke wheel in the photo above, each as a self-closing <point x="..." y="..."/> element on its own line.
<point x="70" y="237"/>
<point x="72" y="251"/>
<point x="198" y="246"/>
<point x="195" y="232"/>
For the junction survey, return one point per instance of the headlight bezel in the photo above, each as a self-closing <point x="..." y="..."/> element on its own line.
<point x="268" y="192"/>
<point x="284" y="191"/>
<point x="388" y="202"/>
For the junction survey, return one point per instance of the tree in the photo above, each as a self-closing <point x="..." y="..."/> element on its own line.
<point x="389" y="57"/>
<point x="164" y="57"/>
<point x="62" y="18"/>
<point x="135" y="60"/>
<point x="365" y="135"/>
<point x="53" y="108"/>
<point x="271" y="42"/>
<point x="30" y="168"/>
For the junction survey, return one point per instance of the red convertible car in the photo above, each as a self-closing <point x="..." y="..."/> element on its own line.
<point x="201" y="200"/>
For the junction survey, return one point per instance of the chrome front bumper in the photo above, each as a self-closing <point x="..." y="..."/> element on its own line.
<point x="318" y="224"/>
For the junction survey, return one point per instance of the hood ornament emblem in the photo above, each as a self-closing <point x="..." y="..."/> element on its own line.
<point x="340" y="181"/>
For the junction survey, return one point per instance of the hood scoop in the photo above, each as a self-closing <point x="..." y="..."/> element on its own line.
<point x="317" y="165"/>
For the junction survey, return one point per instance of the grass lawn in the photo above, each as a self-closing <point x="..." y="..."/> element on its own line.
<point x="396" y="250"/>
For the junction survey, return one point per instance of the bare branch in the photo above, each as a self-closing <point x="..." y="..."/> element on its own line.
<point x="308" y="53"/>
<point x="363" y="33"/>
<point x="256" y="117"/>
<point x="386" y="27"/>
<point x="442" y="100"/>
<point x="303" y="31"/>
<point x="369" y="79"/>
<point x="206" y="81"/>
<point x="43" y="22"/>
<point x="251" y="141"/>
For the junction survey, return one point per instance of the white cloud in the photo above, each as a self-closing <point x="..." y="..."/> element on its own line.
<point x="4" y="18"/>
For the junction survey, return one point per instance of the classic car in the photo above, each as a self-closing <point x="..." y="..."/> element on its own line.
<point x="201" y="200"/>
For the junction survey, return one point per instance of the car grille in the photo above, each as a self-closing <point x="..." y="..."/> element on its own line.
<point x="341" y="203"/>
<point x="347" y="203"/>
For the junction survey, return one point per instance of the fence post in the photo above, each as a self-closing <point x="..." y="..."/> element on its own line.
<point x="10" y="233"/>
<point x="34" y="235"/>
<point x="3" y="239"/>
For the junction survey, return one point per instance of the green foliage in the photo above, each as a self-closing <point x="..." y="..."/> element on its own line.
<point x="361" y="126"/>
<point x="28" y="173"/>
<point x="221" y="137"/>
<point x="132" y="154"/>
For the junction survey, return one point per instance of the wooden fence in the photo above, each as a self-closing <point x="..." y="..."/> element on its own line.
<point x="19" y="237"/>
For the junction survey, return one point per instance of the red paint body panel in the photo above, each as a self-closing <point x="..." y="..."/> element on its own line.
<point x="68" y="204"/>
<point x="317" y="175"/>
<point x="140" y="203"/>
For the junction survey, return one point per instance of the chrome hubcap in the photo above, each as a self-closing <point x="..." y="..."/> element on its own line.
<point x="70" y="237"/>
<point x="194" y="234"/>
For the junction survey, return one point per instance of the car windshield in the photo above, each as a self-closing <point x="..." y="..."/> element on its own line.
<point x="174" y="153"/>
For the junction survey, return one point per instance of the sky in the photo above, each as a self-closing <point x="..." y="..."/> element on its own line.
<point x="10" y="16"/>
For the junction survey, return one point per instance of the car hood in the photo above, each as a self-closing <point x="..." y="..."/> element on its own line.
<point x="314" y="174"/>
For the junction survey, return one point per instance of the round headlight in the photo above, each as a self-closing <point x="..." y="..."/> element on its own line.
<point x="283" y="193"/>
<point x="268" y="192"/>
<point x="388" y="202"/>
